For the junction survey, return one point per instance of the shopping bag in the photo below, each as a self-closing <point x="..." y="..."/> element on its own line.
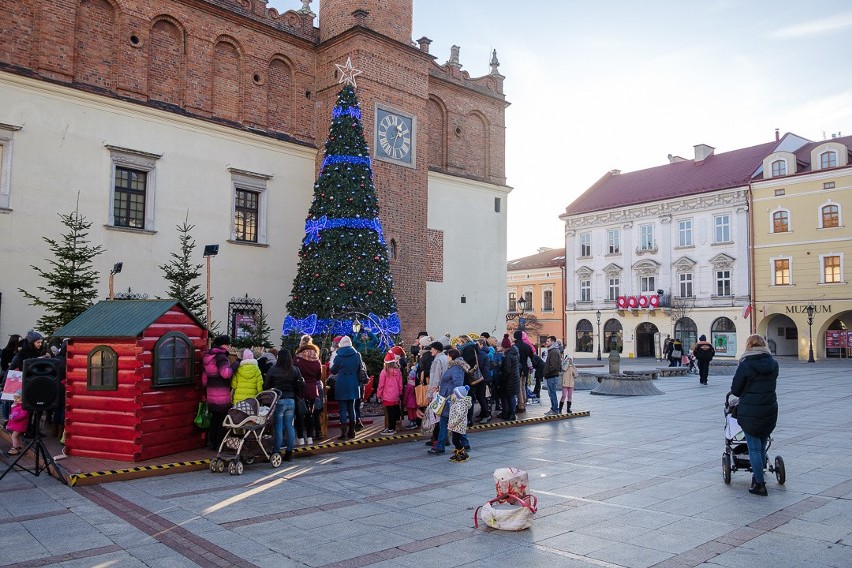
<point x="202" y="417"/>
<point x="437" y="404"/>
<point x="421" y="394"/>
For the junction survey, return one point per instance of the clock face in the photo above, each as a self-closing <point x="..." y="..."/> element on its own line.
<point x="394" y="136"/>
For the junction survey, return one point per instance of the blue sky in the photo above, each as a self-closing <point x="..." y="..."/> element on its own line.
<point x="604" y="85"/>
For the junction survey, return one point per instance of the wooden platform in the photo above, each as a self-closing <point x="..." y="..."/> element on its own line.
<point x="79" y="471"/>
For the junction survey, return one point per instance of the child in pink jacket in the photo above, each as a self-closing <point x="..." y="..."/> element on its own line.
<point x="390" y="391"/>
<point x="19" y="421"/>
<point x="410" y="399"/>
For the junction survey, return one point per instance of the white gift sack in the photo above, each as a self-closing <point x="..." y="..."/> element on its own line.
<point x="511" y="481"/>
<point x="506" y="513"/>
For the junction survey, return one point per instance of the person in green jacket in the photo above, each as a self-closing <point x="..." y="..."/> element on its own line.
<point x="248" y="380"/>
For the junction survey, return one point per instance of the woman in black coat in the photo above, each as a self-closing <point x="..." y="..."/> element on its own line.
<point x="757" y="410"/>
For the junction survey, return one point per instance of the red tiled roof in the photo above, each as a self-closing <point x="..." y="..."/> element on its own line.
<point x="803" y="154"/>
<point x="548" y="258"/>
<point x="719" y="171"/>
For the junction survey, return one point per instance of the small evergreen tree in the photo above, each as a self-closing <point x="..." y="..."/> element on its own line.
<point x="257" y="333"/>
<point x="182" y="274"/>
<point x="71" y="281"/>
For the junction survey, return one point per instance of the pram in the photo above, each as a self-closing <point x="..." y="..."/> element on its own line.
<point x="693" y="363"/>
<point x="736" y="449"/>
<point x="247" y="439"/>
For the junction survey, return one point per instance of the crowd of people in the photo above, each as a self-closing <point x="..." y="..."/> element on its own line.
<point x="697" y="358"/>
<point x="443" y="385"/>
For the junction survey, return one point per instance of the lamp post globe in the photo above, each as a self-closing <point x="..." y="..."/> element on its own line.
<point x="598" y="316"/>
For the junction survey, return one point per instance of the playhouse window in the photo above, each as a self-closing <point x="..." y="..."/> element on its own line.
<point x="173" y="360"/>
<point x="102" y="369"/>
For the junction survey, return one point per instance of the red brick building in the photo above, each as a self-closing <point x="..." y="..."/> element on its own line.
<point x="215" y="103"/>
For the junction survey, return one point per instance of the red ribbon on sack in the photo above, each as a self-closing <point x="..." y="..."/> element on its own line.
<point x="528" y="502"/>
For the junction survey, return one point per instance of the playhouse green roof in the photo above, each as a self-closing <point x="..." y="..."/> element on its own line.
<point x="119" y="318"/>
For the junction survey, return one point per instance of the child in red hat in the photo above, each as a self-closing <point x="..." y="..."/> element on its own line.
<point x="390" y="392"/>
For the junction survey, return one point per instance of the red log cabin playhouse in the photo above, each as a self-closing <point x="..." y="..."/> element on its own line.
<point x="133" y="380"/>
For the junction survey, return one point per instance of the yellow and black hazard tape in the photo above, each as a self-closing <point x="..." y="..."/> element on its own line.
<point x="531" y="420"/>
<point x="74" y="478"/>
<point x="375" y="441"/>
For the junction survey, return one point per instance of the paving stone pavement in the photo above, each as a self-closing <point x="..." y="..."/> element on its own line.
<point x="637" y="484"/>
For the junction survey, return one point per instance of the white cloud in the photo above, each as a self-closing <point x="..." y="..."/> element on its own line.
<point x="816" y="27"/>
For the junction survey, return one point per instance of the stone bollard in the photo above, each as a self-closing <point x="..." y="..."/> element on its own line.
<point x="614" y="363"/>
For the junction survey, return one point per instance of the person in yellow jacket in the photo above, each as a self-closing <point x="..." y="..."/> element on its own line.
<point x="248" y="380"/>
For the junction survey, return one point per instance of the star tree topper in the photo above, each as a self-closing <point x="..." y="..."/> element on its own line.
<point x="347" y="72"/>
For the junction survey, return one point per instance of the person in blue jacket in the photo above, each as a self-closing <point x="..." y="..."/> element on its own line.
<point x="453" y="377"/>
<point x="347" y="364"/>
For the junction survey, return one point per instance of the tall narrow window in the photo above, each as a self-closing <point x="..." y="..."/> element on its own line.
<point x="246" y="212"/>
<point x="613" y="239"/>
<point x="685" y="284"/>
<point x="585" y="290"/>
<point x="831" y="269"/>
<point x="614" y="288"/>
<point x="392" y="249"/>
<point x="780" y="222"/>
<point x="723" y="228"/>
<point x="547" y="301"/>
<point x="723" y="282"/>
<point x="496" y="204"/>
<point x="585" y="245"/>
<point x="782" y="272"/>
<point x="513" y="302"/>
<point x="830" y="216"/>
<point x="684" y="231"/>
<point x="779" y="168"/>
<point x="647" y="284"/>
<point x="129" y="198"/>
<point x="7" y="133"/>
<point x="529" y="301"/>
<point x="102" y="369"/>
<point x="646" y="237"/>
<point x="828" y="160"/>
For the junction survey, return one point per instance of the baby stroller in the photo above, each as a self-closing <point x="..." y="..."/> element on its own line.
<point x="736" y="449"/>
<point x="247" y="439"/>
<point x="693" y="364"/>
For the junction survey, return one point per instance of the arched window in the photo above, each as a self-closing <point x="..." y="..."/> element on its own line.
<point x="173" y="359"/>
<point x="779" y="168"/>
<point x="830" y="216"/>
<point x="585" y="334"/>
<point x="781" y="221"/>
<point x="613" y="336"/>
<point x="102" y="369"/>
<point x="392" y="249"/>
<point x="686" y="330"/>
<point x="723" y="336"/>
<point x="828" y="160"/>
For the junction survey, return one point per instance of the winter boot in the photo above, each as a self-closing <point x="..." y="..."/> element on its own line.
<point x="351" y="432"/>
<point x="568" y="407"/>
<point x="455" y="456"/>
<point x="561" y="404"/>
<point x="359" y="426"/>
<point x="758" y="489"/>
<point x="288" y="455"/>
<point x="342" y="431"/>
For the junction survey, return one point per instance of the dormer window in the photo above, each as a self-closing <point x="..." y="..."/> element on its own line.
<point x="828" y="160"/>
<point x="779" y="168"/>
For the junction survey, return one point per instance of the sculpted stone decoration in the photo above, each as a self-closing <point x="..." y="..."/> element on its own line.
<point x="612" y="270"/>
<point x="584" y="273"/>
<point x="647" y="268"/>
<point x="664" y="211"/>
<point x="722" y="261"/>
<point x="684" y="264"/>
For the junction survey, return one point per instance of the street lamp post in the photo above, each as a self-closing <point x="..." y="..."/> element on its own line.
<point x="810" y="311"/>
<point x="115" y="270"/>
<point x="522" y="303"/>
<point x="598" y="315"/>
<point x="209" y="252"/>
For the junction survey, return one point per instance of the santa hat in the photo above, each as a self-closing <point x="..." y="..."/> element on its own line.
<point x="390" y="357"/>
<point x="337" y="339"/>
<point x="398" y="351"/>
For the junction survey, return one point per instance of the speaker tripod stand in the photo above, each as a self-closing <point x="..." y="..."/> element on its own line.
<point x="43" y="459"/>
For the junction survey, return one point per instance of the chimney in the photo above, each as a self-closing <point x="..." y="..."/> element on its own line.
<point x="777" y="135"/>
<point x="675" y="159"/>
<point x="702" y="152"/>
<point x="615" y="172"/>
<point x="423" y="43"/>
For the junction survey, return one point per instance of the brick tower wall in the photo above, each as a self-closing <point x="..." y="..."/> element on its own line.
<point x="389" y="18"/>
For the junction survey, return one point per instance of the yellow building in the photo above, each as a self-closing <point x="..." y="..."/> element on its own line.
<point x="801" y="238"/>
<point x="538" y="280"/>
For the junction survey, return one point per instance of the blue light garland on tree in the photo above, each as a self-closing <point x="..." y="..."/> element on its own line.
<point x="343" y="261"/>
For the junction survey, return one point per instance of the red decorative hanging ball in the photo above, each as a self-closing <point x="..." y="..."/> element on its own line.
<point x="341" y="284"/>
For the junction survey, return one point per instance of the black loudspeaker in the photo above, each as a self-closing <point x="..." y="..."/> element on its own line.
<point x="41" y="385"/>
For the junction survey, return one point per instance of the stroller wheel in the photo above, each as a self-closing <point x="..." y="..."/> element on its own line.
<point x="214" y="465"/>
<point x="239" y="467"/>
<point x="780" y="471"/>
<point x="726" y="467"/>
<point x="220" y="466"/>
<point x="275" y="459"/>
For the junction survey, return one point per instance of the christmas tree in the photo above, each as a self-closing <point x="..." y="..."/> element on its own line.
<point x="343" y="269"/>
<point x="71" y="282"/>
<point x="182" y="274"/>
